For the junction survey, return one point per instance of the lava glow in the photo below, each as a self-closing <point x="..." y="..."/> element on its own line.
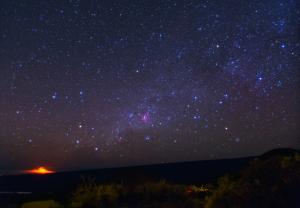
<point x="40" y="170"/>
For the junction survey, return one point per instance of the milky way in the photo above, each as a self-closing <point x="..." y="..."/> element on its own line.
<point x="90" y="84"/>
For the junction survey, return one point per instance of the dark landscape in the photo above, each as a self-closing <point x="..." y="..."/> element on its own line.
<point x="191" y="184"/>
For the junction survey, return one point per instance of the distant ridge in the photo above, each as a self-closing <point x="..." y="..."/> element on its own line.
<point x="280" y="152"/>
<point x="182" y="172"/>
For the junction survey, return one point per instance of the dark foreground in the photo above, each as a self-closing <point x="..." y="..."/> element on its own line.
<point x="270" y="180"/>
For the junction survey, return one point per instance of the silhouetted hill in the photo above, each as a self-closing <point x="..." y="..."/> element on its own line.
<point x="279" y="152"/>
<point x="184" y="172"/>
<point x="271" y="180"/>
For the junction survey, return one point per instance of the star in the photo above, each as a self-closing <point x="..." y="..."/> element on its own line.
<point x="147" y="138"/>
<point x="282" y="45"/>
<point x="196" y="117"/>
<point x="146" y="117"/>
<point x="54" y="96"/>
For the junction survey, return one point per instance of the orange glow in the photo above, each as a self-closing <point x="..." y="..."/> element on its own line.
<point x="40" y="170"/>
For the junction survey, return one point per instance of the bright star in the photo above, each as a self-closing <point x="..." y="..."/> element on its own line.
<point x="145" y="117"/>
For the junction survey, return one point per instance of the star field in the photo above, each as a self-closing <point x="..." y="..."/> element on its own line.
<point x="89" y="84"/>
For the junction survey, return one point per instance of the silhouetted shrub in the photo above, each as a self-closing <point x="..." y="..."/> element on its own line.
<point x="90" y="195"/>
<point x="151" y="194"/>
<point x="268" y="182"/>
<point x="160" y="191"/>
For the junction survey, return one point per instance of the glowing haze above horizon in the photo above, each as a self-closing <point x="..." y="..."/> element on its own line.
<point x="91" y="84"/>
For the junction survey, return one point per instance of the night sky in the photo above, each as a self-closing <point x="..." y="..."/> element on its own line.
<point x="91" y="84"/>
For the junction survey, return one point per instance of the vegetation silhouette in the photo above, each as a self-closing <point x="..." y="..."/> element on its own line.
<point x="270" y="180"/>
